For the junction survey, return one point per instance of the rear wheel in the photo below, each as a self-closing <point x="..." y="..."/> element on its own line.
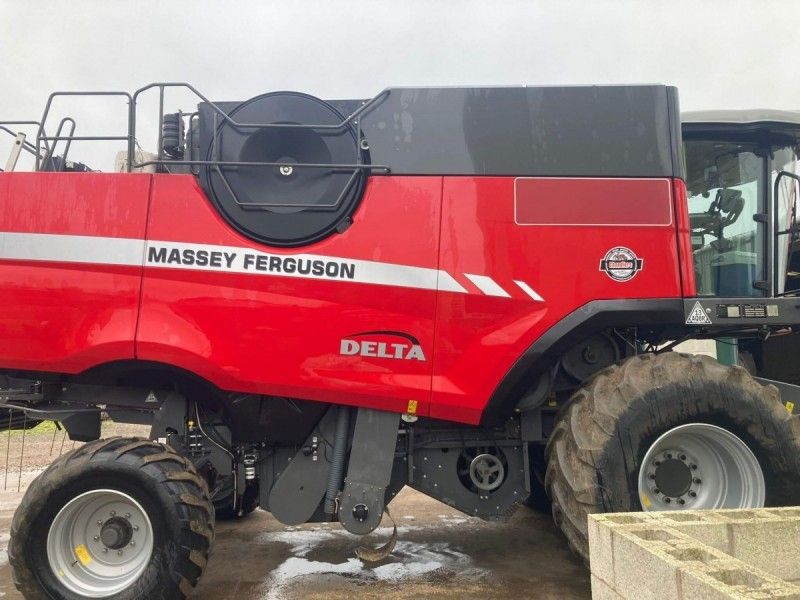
<point x="123" y="518"/>
<point x="670" y="432"/>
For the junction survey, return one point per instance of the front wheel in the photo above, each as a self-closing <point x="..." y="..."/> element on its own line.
<point x="123" y="518"/>
<point x="670" y="432"/>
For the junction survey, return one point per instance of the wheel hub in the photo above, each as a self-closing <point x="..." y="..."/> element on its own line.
<point x="673" y="477"/>
<point x="116" y="533"/>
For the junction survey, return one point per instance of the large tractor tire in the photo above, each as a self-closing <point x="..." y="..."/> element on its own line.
<point x="120" y="518"/>
<point x="670" y="432"/>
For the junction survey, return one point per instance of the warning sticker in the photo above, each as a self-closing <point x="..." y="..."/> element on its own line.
<point x="698" y="316"/>
<point x="83" y="555"/>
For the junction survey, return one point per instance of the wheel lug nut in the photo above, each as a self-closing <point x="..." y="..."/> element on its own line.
<point x="136" y="528"/>
<point x="656" y="491"/>
<point x="105" y="550"/>
<point x="693" y="494"/>
<point x="652" y="476"/>
<point x="669" y="456"/>
<point x="113" y="513"/>
<point x="99" y="523"/>
<point x="658" y="463"/>
<point x="96" y="538"/>
<point x="693" y="467"/>
<point x="119" y="552"/>
<point x="667" y="500"/>
<point x="683" y="457"/>
<point x="133" y="542"/>
<point x="127" y="515"/>
<point x="697" y="480"/>
<point x="681" y="501"/>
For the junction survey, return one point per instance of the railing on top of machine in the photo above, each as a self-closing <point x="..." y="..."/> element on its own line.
<point x="43" y="151"/>
<point x="22" y="143"/>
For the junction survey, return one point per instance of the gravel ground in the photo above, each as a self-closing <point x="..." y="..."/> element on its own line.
<point x="440" y="553"/>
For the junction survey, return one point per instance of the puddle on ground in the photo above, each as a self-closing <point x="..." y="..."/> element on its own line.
<point x="320" y="553"/>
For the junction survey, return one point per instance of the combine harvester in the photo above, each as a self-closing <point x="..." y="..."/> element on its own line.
<point x="474" y="292"/>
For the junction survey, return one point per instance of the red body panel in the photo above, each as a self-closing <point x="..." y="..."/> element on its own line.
<point x="479" y="337"/>
<point x="67" y="317"/>
<point x="282" y="335"/>
<point x="500" y="284"/>
<point x="688" y="283"/>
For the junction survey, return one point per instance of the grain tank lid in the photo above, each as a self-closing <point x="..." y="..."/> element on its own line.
<point x="601" y="131"/>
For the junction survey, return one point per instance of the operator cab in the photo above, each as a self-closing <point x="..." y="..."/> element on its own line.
<point x="742" y="187"/>
<point x="733" y="160"/>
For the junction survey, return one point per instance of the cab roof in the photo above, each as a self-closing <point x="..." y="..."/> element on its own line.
<point x="742" y="117"/>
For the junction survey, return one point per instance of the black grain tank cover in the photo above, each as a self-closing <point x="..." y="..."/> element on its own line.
<point x="575" y="131"/>
<point x="281" y="205"/>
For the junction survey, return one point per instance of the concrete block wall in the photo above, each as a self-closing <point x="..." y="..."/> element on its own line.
<point x="694" y="555"/>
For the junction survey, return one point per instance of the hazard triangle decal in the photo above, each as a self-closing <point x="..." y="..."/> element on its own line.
<point x="698" y="316"/>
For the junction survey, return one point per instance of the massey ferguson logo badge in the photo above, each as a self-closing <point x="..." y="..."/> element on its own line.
<point x="621" y="264"/>
<point x="382" y="344"/>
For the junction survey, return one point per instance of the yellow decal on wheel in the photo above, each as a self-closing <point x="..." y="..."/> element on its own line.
<point x="790" y="407"/>
<point x="83" y="555"/>
<point x="646" y="501"/>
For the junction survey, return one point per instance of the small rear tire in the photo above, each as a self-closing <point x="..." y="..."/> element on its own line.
<point x="670" y="412"/>
<point x="122" y="517"/>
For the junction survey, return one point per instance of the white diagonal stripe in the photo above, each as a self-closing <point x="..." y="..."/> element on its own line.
<point x="487" y="285"/>
<point x="448" y="283"/>
<point x="529" y="290"/>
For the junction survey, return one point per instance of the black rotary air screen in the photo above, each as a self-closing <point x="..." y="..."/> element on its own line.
<point x="285" y="205"/>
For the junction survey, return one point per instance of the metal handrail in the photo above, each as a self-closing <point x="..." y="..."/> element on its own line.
<point x="130" y="137"/>
<point x="792" y="230"/>
<point x="351" y="118"/>
<point x="40" y="137"/>
<point x="52" y="151"/>
<point x="33" y="149"/>
<point x="26" y="145"/>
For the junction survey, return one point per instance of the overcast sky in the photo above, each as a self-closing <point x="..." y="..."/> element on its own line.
<point x="720" y="53"/>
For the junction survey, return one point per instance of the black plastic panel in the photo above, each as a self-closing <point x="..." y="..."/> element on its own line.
<point x="577" y="131"/>
<point x="580" y="131"/>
